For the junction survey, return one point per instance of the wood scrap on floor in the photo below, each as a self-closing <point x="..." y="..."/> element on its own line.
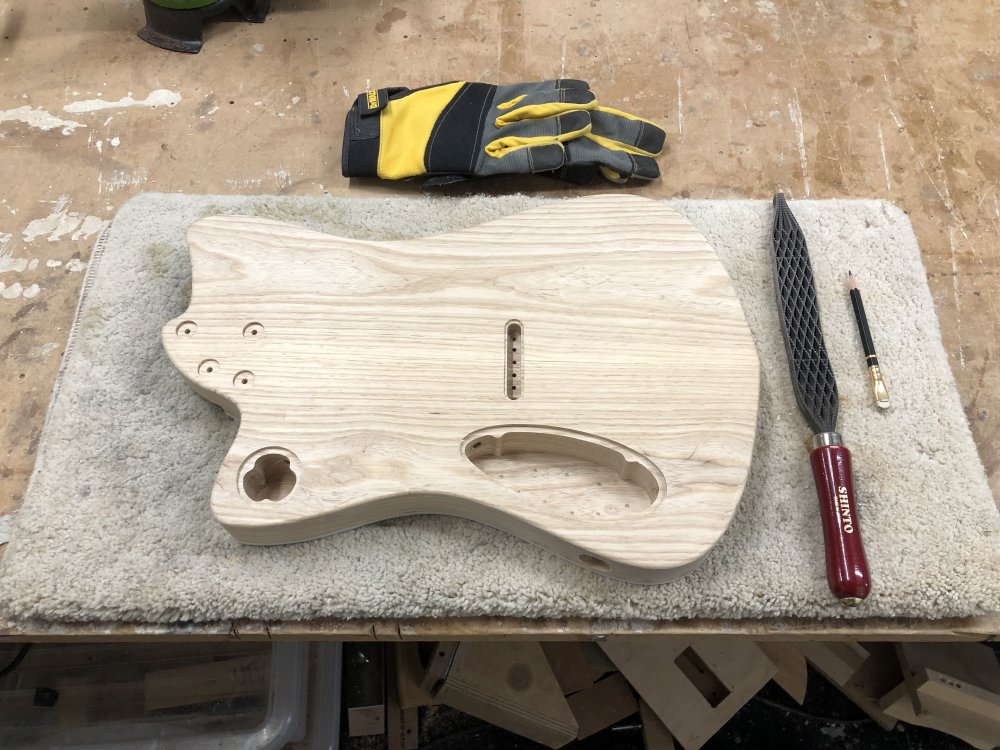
<point x="950" y="687"/>
<point x="509" y="684"/>
<point x="793" y="674"/>
<point x="569" y="664"/>
<point x="655" y="735"/>
<point x="687" y="689"/>
<point x="401" y="724"/>
<point x="410" y="676"/>
<point x="694" y="687"/>
<point x="602" y="704"/>
<point x="864" y="673"/>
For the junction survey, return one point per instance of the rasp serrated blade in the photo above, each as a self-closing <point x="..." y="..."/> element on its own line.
<point x="813" y="380"/>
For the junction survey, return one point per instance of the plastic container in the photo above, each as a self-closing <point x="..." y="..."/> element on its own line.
<point x="223" y="696"/>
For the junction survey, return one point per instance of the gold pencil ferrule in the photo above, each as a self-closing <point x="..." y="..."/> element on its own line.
<point x="879" y="390"/>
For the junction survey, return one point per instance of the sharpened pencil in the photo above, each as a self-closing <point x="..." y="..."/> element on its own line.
<point x="879" y="390"/>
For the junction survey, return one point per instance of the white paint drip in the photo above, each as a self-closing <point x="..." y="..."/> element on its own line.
<point x="12" y="265"/>
<point x="120" y="179"/>
<point x="11" y="292"/>
<point x="62" y="222"/>
<point x="954" y="287"/>
<point x="885" y="163"/>
<point x="75" y="265"/>
<point x="90" y="225"/>
<point x="5" y="238"/>
<point x="347" y="93"/>
<point x="41" y="352"/>
<point x="258" y="47"/>
<point x="31" y="291"/>
<point x="296" y="99"/>
<point x="33" y="264"/>
<point x="895" y="119"/>
<point x="562" y="60"/>
<point x="243" y="183"/>
<point x="115" y="142"/>
<point x="767" y="9"/>
<point x="281" y="178"/>
<point x="160" y="97"/>
<point x="39" y="118"/>
<point x="795" y="115"/>
<point x="53" y="263"/>
<point x="680" y="108"/>
<point x="99" y="145"/>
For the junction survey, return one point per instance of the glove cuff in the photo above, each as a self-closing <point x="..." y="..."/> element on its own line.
<point x="359" y="157"/>
<point x="363" y="131"/>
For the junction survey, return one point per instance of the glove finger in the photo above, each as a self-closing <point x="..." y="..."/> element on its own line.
<point x="542" y="157"/>
<point x="530" y="132"/>
<point x="615" y="164"/>
<point x="619" y="130"/>
<point x="516" y="89"/>
<point x="544" y="104"/>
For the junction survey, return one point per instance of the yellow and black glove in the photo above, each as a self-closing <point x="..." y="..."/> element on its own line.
<point x="462" y="129"/>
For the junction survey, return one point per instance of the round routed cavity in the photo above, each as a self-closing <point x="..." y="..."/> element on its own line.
<point x="271" y="478"/>
<point x="187" y="328"/>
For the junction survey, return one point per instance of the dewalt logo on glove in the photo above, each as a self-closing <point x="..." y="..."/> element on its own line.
<point x="462" y="129"/>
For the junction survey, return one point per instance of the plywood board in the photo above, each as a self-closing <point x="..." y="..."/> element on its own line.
<point x="898" y="703"/>
<point x="693" y="687"/>
<point x="602" y="704"/>
<point x="569" y="664"/>
<point x="580" y="375"/>
<point x="792" y="675"/>
<point x="410" y="676"/>
<point x="862" y="672"/>
<point x="511" y="685"/>
<point x="655" y="735"/>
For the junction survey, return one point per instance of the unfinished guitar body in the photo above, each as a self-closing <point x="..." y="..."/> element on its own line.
<point x="580" y="375"/>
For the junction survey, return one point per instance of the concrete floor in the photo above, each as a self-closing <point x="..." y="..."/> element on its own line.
<point x="860" y="98"/>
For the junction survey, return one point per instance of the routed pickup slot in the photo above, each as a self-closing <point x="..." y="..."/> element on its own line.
<point x="586" y="473"/>
<point x="514" y="342"/>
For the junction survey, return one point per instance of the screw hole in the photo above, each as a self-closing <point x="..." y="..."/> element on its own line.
<point x="244" y="377"/>
<point x="187" y="328"/>
<point x="253" y="329"/>
<point x="477" y="443"/>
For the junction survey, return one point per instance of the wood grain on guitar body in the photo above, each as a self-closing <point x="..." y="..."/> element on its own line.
<point x="580" y="375"/>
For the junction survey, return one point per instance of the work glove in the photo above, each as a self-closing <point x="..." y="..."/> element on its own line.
<point x="460" y="129"/>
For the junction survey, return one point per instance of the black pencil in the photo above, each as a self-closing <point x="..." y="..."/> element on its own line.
<point x="879" y="390"/>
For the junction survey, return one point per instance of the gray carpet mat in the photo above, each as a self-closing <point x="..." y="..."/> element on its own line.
<point x="116" y="524"/>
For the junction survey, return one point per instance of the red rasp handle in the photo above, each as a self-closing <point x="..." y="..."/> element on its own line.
<point x="846" y="566"/>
